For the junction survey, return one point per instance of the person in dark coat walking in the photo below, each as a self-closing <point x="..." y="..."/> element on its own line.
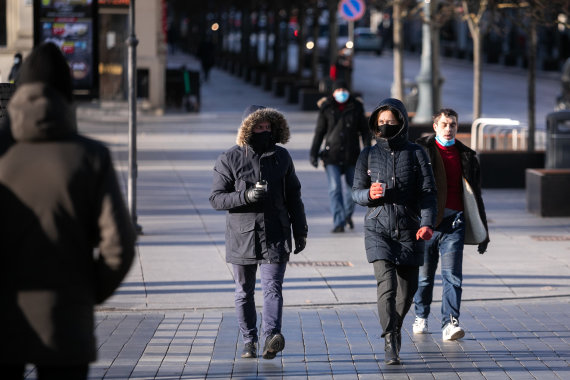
<point x="13" y="76"/>
<point x="395" y="181"/>
<point x="341" y="124"/>
<point x="66" y="237"/>
<point x="461" y="219"/>
<point x="255" y="182"/>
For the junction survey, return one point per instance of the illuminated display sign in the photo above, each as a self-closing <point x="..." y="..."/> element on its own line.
<point x="71" y="25"/>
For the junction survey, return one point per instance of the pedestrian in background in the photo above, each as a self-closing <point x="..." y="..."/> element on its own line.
<point x="461" y="219"/>
<point x="255" y="182"/>
<point x="341" y="124"/>
<point x="394" y="180"/>
<point x="207" y="55"/>
<point x="341" y="70"/>
<point x="60" y="200"/>
<point x="13" y="76"/>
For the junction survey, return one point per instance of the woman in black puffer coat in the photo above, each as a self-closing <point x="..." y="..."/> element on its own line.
<point x="399" y="215"/>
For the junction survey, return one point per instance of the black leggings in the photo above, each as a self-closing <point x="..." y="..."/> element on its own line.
<point x="396" y="286"/>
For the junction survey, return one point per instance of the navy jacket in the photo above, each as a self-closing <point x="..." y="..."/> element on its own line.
<point x="392" y="221"/>
<point x="259" y="232"/>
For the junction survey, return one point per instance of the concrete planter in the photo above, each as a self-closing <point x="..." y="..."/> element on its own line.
<point x="547" y="192"/>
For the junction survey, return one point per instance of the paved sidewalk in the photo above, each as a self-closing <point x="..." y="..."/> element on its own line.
<point x="173" y="317"/>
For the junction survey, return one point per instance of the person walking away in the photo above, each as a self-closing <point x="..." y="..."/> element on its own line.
<point x="341" y="124"/>
<point x="461" y="219"/>
<point x="255" y="182"/>
<point x="207" y="56"/>
<point x="394" y="180"/>
<point x="66" y="237"/>
<point x="13" y="76"/>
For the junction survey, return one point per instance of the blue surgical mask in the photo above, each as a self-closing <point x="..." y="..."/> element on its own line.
<point x="341" y="96"/>
<point x="443" y="142"/>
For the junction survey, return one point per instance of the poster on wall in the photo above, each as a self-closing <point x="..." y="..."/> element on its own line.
<point x="70" y="24"/>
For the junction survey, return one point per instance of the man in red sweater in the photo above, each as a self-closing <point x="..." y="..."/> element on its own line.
<point x="461" y="219"/>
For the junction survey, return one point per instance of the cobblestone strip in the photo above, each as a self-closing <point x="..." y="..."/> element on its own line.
<point x="362" y="352"/>
<point x="200" y="358"/>
<point x="340" y="356"/>
<point x="293" y="358"/>
<point x="122" y="347"/>
<point x="495" y="361"/>
<point x="316" y="351"/>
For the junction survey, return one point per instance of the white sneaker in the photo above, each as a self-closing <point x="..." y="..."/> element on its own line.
<point x="420" y="326"/>
<point x="452" y="331"/>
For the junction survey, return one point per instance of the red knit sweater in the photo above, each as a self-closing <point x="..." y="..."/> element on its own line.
<point x="452" y="164"/>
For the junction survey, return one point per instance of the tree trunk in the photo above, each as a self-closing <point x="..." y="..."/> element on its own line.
<point x="276" y="41"/>
<point x="477" y="80"/>
<point x="314" y="52"/>
<point x="531" y="85"/>
<point x="301" y="41"/>
<point x="333" y="50"/>
<point x="398" y="51"/>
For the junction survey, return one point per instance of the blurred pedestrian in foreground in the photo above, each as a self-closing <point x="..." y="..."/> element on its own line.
<point x="341" y="124"/>
<point x="66" y="238"/>
<point x="461" y="219"/>
<point x="255" y="182"/>
<point x="395" y="181"/>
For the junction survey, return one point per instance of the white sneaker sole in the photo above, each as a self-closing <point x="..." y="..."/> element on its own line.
<point x="456" y="335"/>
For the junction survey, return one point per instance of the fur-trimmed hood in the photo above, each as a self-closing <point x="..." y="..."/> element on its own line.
<point x="257" y="114"/>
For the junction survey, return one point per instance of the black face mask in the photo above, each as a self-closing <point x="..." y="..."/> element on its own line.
<point x="387" y="130"/>
<point x="261" y="142"/>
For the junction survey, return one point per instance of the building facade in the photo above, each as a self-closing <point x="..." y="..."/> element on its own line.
<point x="17" y="35"/>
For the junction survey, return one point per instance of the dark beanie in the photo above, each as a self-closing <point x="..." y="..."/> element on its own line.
<point x="47" y="64"/>
<point x="339" y="84"/>
<point x="249" y="110"/>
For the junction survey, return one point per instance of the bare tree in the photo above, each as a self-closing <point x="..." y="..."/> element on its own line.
<point x="400" y="10"/>
<point x="530" y="15"/>
<point x="473" y="12"/>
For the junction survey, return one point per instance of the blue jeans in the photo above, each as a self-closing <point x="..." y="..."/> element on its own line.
<point x="272" y="284"/>
<point x="342" y="205"/>
<point x="447" y="242"/>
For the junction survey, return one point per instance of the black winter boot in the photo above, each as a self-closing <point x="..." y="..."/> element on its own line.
<point x="398" y="341"/>
<point x="391" y="349"/>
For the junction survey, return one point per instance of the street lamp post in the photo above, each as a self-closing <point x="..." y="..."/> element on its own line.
<point x="429" y="81"/>
<point x="132" y="43"/>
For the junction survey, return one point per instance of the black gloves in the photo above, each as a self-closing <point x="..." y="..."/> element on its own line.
<point x="315" y="161"/>
<point x="481" y="248"/>
<point x="300" y="243"/>
<point x="255" y="194"/>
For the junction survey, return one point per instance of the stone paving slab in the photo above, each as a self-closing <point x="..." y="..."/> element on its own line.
<point x="504" y="340"/>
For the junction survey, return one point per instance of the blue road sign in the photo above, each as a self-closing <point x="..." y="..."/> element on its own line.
<point x="351" y="10"/>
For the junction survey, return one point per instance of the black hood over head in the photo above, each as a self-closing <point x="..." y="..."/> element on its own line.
<point x="46" y="64"/>
<point x="397" y="106"/>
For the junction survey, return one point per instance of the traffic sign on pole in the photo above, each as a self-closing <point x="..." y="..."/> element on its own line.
<point x="351" y="10"/>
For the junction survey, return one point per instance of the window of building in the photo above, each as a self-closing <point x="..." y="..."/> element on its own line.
<point x="3" y="23"/>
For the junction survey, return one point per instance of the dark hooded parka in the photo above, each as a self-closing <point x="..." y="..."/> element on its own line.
<point x="59" y="200"/>
<point x="259" y="232"/>
<point x="409" y="201"/>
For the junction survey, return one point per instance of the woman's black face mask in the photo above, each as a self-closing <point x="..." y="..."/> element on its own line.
<point x="387" y="130"/>
<point x="261" y="142"/>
